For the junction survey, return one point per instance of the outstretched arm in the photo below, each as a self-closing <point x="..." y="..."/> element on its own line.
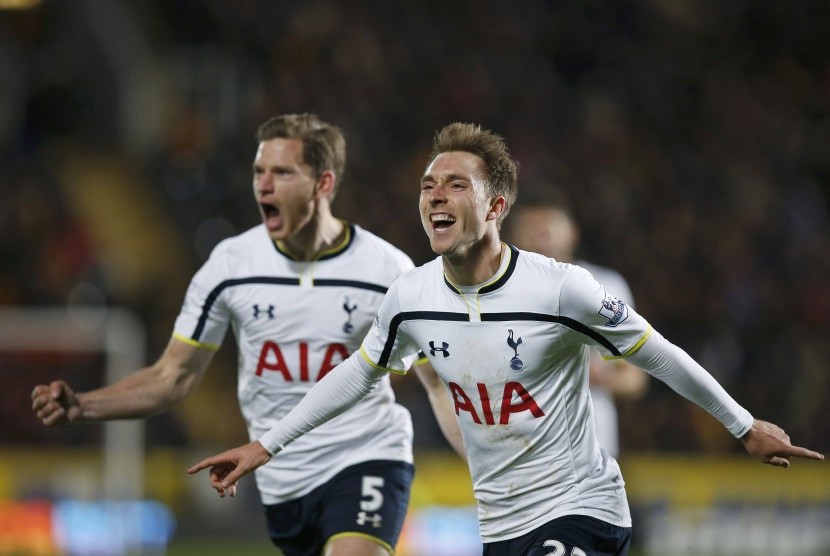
<point x="442" y="407"/>
<point x="667" y="362"/>
<point x="344" y="386"/>
<point x="141" y="394"/>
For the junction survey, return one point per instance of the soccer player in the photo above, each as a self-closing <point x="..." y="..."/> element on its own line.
<point x="509" y="332"/>
<point x="549" y="228"/>
<point x="300" y="291"/>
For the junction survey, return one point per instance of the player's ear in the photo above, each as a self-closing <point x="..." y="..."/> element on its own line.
<point x="497" y="206"/>
<point x="325" y="184"/>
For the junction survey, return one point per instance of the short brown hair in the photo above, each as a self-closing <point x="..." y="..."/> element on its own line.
<point x="502" y="170"/>
<point x="324" y="147"/>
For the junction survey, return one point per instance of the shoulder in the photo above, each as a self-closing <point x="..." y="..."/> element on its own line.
<point x="419" y="283"/>
<point x="612" y="280"/>
<point x="253" y="238"/>
<point x="242" y="251"/>
<point x="534" y="266"/>
<point x="601" y="273"/>
<point x="375" y="248"/>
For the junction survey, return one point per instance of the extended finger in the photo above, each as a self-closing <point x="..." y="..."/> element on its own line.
<point x="800" y="452"/>
<point x="204" y="464"/>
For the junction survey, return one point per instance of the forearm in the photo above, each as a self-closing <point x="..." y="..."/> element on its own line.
<point x="442" y="406"/>
<point x="343" y="387"/>
<point x="624" y="380"/>
<point x="447" y="421"/>
<point x="139" y="395"/>
<point x="667" y="362"/>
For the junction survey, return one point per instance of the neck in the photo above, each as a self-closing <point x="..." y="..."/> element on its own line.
<point x="476" y="265"/>
<point x="320" y="234"/>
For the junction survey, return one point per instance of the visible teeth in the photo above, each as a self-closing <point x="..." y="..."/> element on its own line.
<point x="441" y="218"/>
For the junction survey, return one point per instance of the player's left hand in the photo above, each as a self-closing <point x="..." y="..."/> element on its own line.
<point x="228" y="467"/>
<point x="769" y="444"/>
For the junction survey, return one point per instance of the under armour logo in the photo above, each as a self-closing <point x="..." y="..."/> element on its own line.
<point x="515" y="363"/>
<point x="443" y="349"/>
<point x="375" y="519"/>
<point x="348" y="326"/>
<point x="269" y="311"/>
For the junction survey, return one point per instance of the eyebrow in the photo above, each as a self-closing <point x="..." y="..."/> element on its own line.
<point x="450" y="177"/>
<point x="254" y="166"/>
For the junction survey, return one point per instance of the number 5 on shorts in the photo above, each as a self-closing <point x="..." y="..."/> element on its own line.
<point x="371" y="493"/>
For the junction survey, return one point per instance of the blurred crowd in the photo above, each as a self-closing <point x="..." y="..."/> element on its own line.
<point x="691" y="140"/>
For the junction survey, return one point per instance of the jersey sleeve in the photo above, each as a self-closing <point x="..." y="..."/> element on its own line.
<point x="613" y="282"/>
<point x="386" y="346"/>
<point x="599" y="318"/>
<point x="405" y="264"/>
<point x="204" y="317"/>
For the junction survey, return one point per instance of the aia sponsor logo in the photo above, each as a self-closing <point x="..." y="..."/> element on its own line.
<point x="271" y="359"/>
<point x="479" y="406"/>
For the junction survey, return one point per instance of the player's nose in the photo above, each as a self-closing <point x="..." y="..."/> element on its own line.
<point x="436" y="195"/>
<point x="263" y="185"/>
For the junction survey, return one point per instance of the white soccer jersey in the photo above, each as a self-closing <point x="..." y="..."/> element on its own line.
<point x="514" y="355"/>
<point x="293" y="322"/>
<point x="605" y="407"/>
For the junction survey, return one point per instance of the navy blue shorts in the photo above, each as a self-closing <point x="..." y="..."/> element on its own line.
<point x="367" y="499"/>
<point x="571" y="535"/>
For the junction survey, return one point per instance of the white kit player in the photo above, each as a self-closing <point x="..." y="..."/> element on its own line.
<point x="509" y="332"/>
<point x="299" y="291"/>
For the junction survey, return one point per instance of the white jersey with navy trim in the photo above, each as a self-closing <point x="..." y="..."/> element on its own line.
<point x="514" y="354"/>
<point x="293" y="322"/>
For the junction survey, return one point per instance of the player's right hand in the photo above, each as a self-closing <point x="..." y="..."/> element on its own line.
<point x="55" y="404"/>
<point x="228" y="467"/>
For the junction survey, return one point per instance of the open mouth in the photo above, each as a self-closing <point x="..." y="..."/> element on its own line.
<point x="441" y="221"/>
<point x="270" y="215"/>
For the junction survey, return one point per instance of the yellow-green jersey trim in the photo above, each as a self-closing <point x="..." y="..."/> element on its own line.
<point x="633" y="348"/>
<point x="194" y="343"/>
<point x="376" y="366"/>
<point x="328" y="253"/>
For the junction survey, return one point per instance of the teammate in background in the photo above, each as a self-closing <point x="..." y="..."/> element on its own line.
<point x="300" y="291"/>
<point x="509" y="333"/>
<point x="549" y="229"/>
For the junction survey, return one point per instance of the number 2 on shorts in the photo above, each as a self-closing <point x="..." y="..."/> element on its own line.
<point x="559" y="549"/>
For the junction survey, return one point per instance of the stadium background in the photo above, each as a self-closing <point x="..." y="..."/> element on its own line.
<point x="692" y="139"/>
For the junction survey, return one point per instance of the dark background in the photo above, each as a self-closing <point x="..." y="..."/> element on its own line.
<point x="691" y="139"/>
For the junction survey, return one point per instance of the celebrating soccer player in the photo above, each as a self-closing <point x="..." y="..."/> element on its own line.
<point x="509" y="333"/>
<point x="300" y="291"/>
